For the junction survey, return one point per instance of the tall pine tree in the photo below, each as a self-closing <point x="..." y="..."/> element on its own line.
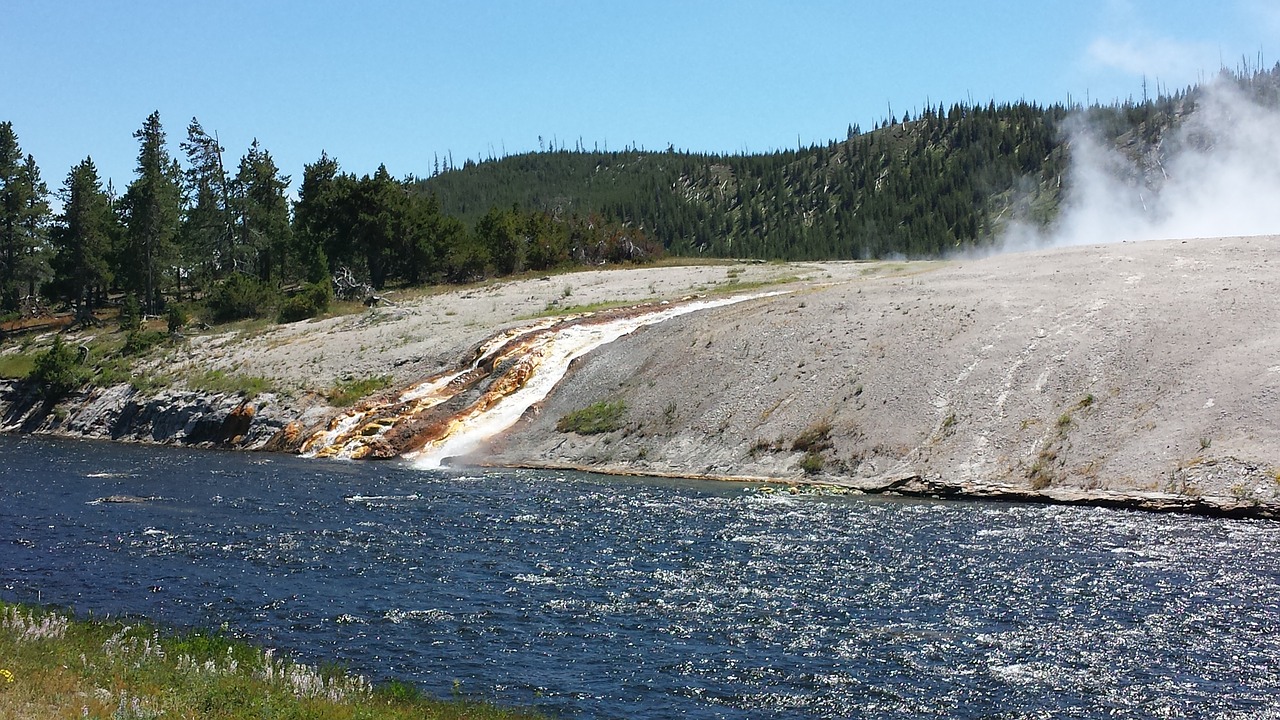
<point x="24" y="215"/>
<point x="82" y="239"/>
<point x="316" y="225"/>
<point x="152" y="207"/>
<point x="207" y="233"/>
<point x="263" y="213"/>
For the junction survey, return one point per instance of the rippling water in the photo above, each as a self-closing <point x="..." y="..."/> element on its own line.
<point x="606" y="597"/>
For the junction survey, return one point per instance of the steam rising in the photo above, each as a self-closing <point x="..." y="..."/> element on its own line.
<point x="1216" y="175"/>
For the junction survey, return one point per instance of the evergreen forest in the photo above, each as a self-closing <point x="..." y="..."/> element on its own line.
<point x="199" y="231"/>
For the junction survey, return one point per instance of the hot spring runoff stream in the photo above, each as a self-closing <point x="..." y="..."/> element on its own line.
<point x="592" y="596"/>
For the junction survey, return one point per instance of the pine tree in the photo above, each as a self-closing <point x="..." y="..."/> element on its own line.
<point x="379" y="203"/>
<point x="263" y="212"/>
<point x="24" y="214"/>
<point x="207" y="226"/>
<point x="152" y="208"/>
<point x="82" y="240"/>
<point x="315" y="219"/>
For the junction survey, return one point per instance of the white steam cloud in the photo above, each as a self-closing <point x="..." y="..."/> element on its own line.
<point x="1216" y="175"/>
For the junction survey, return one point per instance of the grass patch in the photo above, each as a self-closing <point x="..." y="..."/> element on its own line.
<point x="346" y="393"/>
<point x="601" y="417"/>
<point x="53" y="665"/>
<point x="218" y="381"/>
<point x="812" y="463"/>
<point x="15" y="366"/>
<point x="735" y="286"/>
<point x="553" y="310"/>
<point x="140" y="342"/>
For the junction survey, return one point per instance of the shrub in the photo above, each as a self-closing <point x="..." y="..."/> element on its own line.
<point x="601" y="417"/>
<point x="240" y="296"/>
<point x="138" y="342"/>
<point x="177" y="318"/>
<point x="812" y="463"/>
<point x="57" y="370"/>
<point x="130" y="314"/>
<point x="815" y="438"/>
<point x="312" y="300"/>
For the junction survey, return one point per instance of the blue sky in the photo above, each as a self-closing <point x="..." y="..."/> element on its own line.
<point x="398" y="82"/>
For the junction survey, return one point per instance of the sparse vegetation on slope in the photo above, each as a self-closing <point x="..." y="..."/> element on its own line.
<point x="601" y="417"/>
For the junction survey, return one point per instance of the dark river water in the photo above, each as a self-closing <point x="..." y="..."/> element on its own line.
<point x="591" y="596"/>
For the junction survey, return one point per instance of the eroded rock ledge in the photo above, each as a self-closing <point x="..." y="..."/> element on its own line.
<point x="170" y="417"/>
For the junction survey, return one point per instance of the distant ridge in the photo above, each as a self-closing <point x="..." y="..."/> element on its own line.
<point x="922" y="185"/>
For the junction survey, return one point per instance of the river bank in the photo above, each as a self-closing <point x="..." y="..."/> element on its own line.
<point x="1136" y="375"/>
<point x="583" y="595"/>
<point x="53" y="664"/>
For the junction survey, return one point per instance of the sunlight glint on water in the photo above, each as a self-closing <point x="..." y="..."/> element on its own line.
<point x="603" y="597"/>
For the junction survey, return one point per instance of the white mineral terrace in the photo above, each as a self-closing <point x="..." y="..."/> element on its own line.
<point x="544" y="360"/>
<point x="551" y="353"/>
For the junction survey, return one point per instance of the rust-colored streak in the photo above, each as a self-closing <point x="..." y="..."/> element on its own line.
<point x="506" y="362"/>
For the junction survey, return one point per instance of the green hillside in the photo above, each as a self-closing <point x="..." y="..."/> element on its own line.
<point x="944" y="179"/>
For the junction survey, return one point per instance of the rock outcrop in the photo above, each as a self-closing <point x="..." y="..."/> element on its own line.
<point x="170" y="417"/>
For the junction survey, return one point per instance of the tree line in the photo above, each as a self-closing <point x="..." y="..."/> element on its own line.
<point x="196" y="229"/>
<point x="191" y="230"/>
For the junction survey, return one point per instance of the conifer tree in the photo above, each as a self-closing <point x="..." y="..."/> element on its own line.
<point x="24" y="215"/>
<point x="207" y="225"/>
<point x="82" y="240"/>
<point x="315" y="219"/>
<point x="263" y="211"/>
<point x="379" y="207"/>
<point x="152" y="209"/>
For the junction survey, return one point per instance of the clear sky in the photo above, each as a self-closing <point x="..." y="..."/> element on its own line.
<point x="397" y="82"/>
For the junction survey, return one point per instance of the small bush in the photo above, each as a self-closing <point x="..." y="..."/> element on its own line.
<point x="312" y="300"/>
<point x="138" y="342"/>
<point x="177" y="318"/>
<point x="240" y="296"/>
<point x="399" y="691"/>
<point x="130" y="314"/>
<point x="601" y="417"/>
<point x="812" y="463"/>
<point x="57" y="370"/>
<point x="815" y="438"/>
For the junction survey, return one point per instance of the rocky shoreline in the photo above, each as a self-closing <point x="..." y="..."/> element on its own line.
<point x="1138" y="375"/>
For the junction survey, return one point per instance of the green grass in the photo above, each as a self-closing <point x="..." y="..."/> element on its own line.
<point x="347" y="392"/>
<point x="218" y="381"/>
<point x="601" y="417"/>
<point x="812" y="463"/>
<point x="734" y="286"/>
<point x="56" y="666"/>
<point x="553" y="310"/>
<point x="15" y="366"/>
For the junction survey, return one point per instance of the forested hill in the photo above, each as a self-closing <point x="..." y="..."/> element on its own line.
<point x="921" y="185"/>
